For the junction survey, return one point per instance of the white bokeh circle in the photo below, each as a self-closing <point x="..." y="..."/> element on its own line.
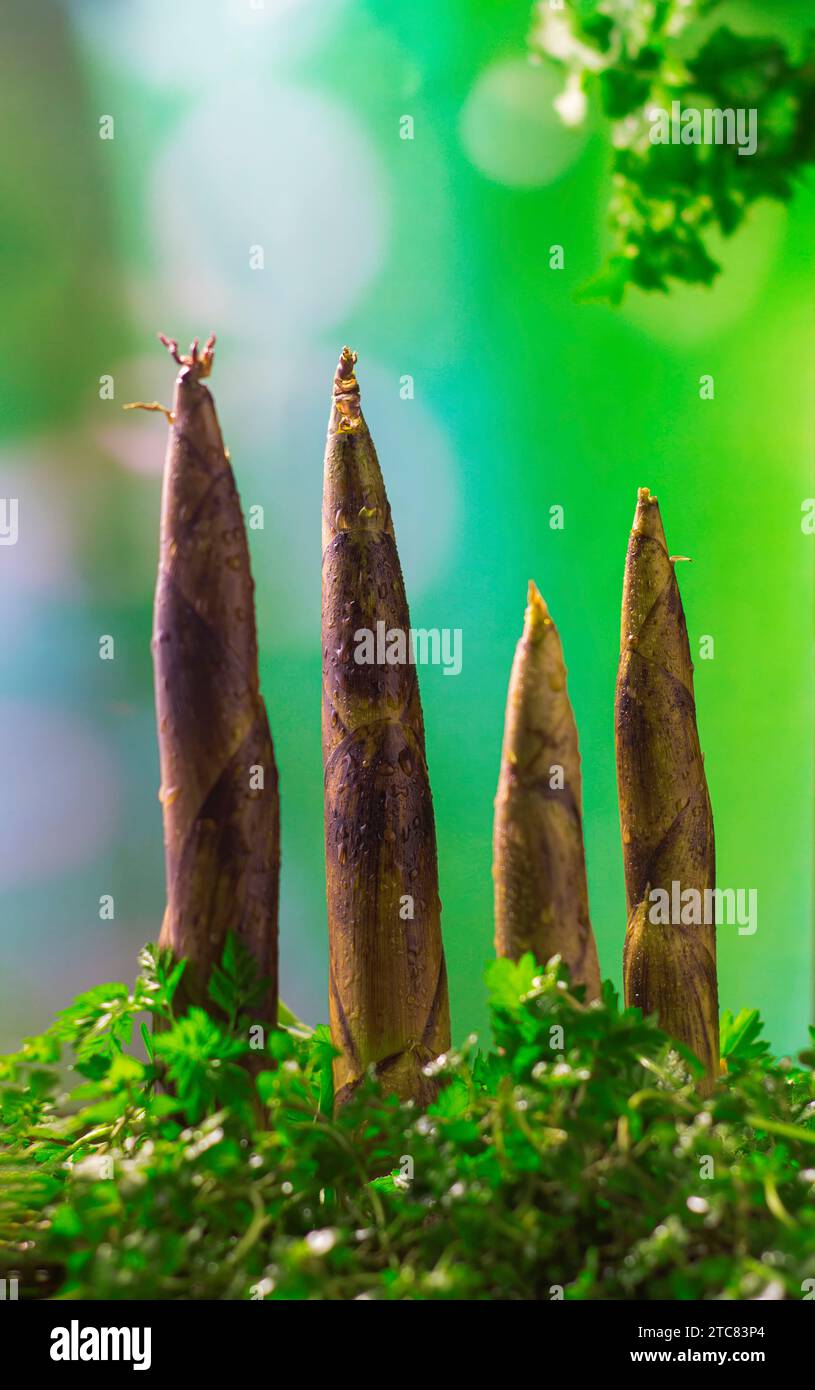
<point x="282" y="169"/>
<point x="509" y="127"/>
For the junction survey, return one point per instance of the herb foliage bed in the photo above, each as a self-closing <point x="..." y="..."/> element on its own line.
<point x="575" y="1161"/>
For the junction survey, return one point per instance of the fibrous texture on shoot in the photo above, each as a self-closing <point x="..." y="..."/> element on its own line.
<point x="669" y="968"/>
<point x="539" y="862"/>
<point x="219" y="789"/>
<point x="388" y="984"/>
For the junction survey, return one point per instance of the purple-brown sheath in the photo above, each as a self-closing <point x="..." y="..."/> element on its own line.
<point x="539" y="861"/>
<point x="219" y="789"/>
<point x="665" y="814"/>
<point x="388" y="985"/>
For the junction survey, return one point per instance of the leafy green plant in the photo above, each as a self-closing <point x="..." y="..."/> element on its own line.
<point x="576" y="1159"/>
<point x="668" y="199"/>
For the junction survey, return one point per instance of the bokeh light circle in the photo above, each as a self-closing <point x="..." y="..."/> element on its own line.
<point x="283" y="170"/>
<point x="509" y="127"/>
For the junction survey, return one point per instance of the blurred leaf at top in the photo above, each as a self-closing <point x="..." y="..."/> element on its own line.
<point x="637" y="57"/>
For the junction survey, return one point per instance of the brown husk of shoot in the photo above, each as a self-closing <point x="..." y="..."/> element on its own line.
<point x="221" y="826"/>
<point x="665" y="813"/>
<point x="388" y="984"/>
<point x="539" y="862"/>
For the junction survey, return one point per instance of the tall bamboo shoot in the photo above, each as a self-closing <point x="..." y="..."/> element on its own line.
<point x="669" y="968"/>
<point x="219" y="786"/>
<point x="388" y="984"/>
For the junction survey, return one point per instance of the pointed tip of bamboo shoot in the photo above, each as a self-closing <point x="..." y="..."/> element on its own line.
<point x="346" y="392"/>
<point x="647" y="518"/>
<point x="537" y="617"/>
<point x="193" y="362"/>
<point x="347" y="363"/>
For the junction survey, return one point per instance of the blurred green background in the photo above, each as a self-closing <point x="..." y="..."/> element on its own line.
<point x="277" y="125"/>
